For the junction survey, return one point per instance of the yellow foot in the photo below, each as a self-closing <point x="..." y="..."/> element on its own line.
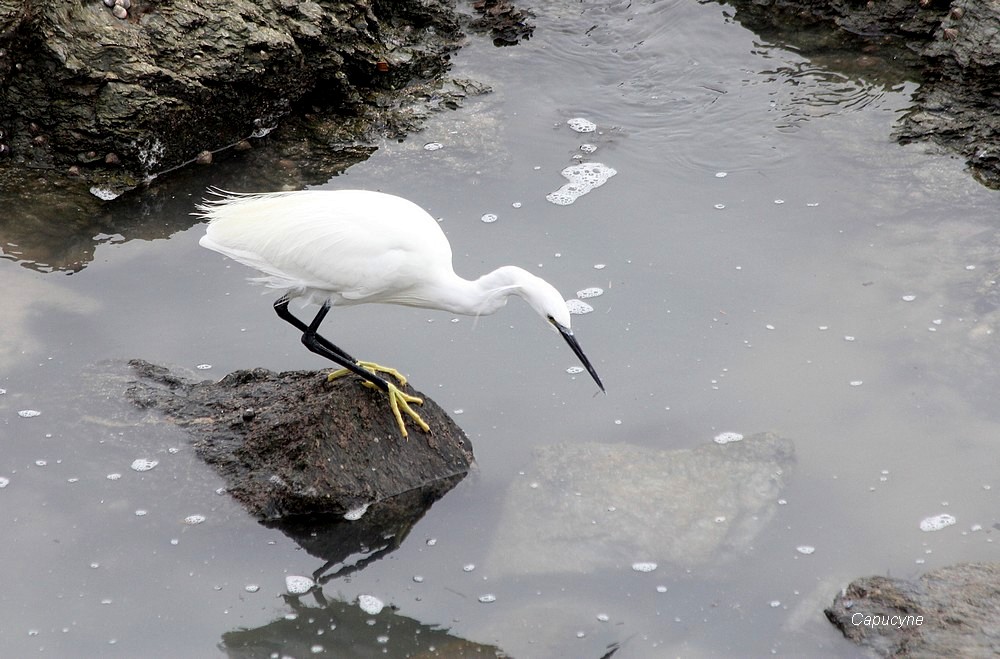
<point x="399" y="400"/>
<point x="369" y="366"/>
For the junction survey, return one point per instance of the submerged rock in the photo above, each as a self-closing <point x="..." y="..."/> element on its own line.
<point x="950" y="612"/>
<point x="294" y="444"/>
<point x="588" y="507"/>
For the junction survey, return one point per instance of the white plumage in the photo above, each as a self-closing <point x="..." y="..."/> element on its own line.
<point x="342" y="247"/>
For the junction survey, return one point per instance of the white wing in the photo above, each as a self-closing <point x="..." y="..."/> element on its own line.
<point x="355" y="245"/>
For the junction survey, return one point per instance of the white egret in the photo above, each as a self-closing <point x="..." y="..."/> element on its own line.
<point x="344" y="247"/>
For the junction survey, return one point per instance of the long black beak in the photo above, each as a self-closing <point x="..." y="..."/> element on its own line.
<point x="578" y="351"/>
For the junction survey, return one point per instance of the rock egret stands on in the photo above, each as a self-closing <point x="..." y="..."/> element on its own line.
<point x="341" y="247"/>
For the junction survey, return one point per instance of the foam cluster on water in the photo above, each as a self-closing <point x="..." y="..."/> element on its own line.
<point x="728" y="437"/>
<point x="937" y="522"/>
<point x="577" y="307"/>
<point x="581" y="125"/>
<point x="370" y="604"/>
<point x="582" y="178"/>
<point x="297" y="585"/>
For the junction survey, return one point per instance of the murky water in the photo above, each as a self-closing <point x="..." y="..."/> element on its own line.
<point x="769" y="261"/>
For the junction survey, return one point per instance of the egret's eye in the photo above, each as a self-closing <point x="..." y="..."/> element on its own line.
<point x="551" y="319"/>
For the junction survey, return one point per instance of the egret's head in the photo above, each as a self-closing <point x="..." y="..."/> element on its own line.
<point x="550" y="305"/>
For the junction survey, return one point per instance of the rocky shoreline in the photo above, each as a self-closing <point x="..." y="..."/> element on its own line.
<point x="951" y="47"/>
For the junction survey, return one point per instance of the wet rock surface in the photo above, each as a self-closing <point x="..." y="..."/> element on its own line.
<point x="94" y="102"/>
<point x="958" y="609"/>
<point x="590" y="507"/>
<point x="951" y="48"/>
<point x="294" y="444"/>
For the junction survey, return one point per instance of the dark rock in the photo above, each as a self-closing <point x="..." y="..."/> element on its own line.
<point x="950" y="612"/>
<point x="294" y="444"/>
<point x="178" y="77"/>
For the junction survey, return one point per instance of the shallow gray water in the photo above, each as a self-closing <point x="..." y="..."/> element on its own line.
<point x="832" y="287"/>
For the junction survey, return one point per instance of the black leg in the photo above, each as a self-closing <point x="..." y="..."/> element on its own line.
<point x="321" y="346"/>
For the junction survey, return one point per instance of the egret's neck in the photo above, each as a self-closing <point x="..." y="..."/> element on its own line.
<point x="485" y="295"/>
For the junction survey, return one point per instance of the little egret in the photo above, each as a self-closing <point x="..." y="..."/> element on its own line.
<point x="343" y="247"/>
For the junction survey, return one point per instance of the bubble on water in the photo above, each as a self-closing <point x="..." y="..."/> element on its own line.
<point x="27" y="414"/>
<point x="599" y="266"/>
<point x="488" y="598"/>
<point x="577" y="307"/>
<point x="812" y="204"/>
<point x="661" y="589"/>
<point x="727" y="437"/>
<point x="856" y="383"/>
<point x="769" y="326"/>
<point x="370" y="604"/>
<point x="590" y="292"/>
<point x="317" y="649"/>
<point x="433" y="146"/>
<point x="805" y="549"/>
<point x="431" y="542"/>
<point x="489" y="218"/>
<point x="142" y="464"/>
<point x="356" y="513"/>
<point x="41" y="463"/>
<point x="849" y="338"/>
<point x="588" y="148"/>
<point x="908" y="298"/>
<point x="141" y="512"/>
<point x="468" y="567"/>
<point x="603" y="617"/>
<point x="937" y="522"/>
<point x="581" y="125"/>
<point x="104" y="194"/>
<point x="774" y="603"/>
<point x="4" y="482"/>
<point x="251" y="587"/>
<point x="582" y="178"/>
<point x="573" y="370"/>
<point x="2" y="392"/>
<point x="418" y="578"/>
<point x="721" y="174"/>
<point x="720" y="207"/>
<point x="779" y="201"/>
<point x="113" y="477"/>
<point x="203" y="367"/>
<point x="644" y="566"/>
<point x="194" y="519"/>
<point x="298" y="585"/>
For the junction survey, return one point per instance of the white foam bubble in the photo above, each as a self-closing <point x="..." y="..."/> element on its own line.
<point x="582" y="178"/>
<point x="590" y="292"/>
<point x="142" y="464"/>
<point x="577" y="307"/>
<point x="194" y="519"/>
<point x="27" y="414"/>
<point x="573" y="370"/>
<point x="644" y="566"/>
<point x="489" y="218"/>
<point x="937" y="522"/>
<point x="356" y="513"/>
<point x="581" y="125"/>
<point x="805" y="549"/>
<point x="4" y="482"/>
<point x="488" y="598"/>
<point x="370" y="604"/>
<point x="727" y="437"/>
<point x="297" y="585"/>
